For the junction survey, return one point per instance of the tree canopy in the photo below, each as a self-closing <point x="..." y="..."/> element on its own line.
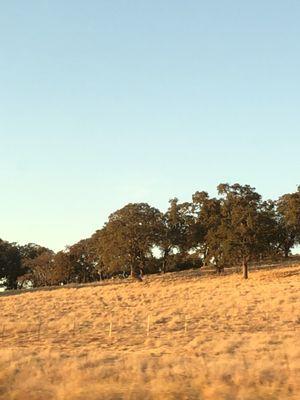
<point x="127" y="239"/>
<point x="235" y="228"/>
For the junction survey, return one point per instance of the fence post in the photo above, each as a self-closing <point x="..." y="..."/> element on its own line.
<point x="74" y="327"/>
<point x="110" y="329"/>
<point x="39" y="328"/>
<point x="148" y="325"/>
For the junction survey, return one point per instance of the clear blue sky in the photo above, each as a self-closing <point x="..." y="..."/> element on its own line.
<point x="108" y="102"/>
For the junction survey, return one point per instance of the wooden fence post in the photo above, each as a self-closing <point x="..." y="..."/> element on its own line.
<point x="148" y="326"/>
<point x="39" y="328"/>
<point x="110" y="329"/>
<point x="74" y="327"/>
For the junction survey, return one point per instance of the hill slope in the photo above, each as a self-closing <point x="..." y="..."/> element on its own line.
<point x="181" y="336"/>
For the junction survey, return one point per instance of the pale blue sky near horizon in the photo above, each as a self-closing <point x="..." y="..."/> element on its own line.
<point x="108" y="102"/>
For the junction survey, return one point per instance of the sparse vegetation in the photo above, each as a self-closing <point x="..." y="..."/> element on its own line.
<point x="210" y="338"/>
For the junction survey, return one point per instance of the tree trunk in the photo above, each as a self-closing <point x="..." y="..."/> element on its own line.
<point x="135" y="274"/>
<point x="286" y="252"/>
<point x="245" y="269"/>
<point x="132" y="271"/>
<point x="220" y="269"/>
<point x="165" y="261"/>
<point x="164" y="266"/>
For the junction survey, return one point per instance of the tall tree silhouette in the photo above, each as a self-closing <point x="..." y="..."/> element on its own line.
<point x="127" y="239"/>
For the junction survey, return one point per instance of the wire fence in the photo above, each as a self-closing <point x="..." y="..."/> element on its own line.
<point x="115" y="328"/>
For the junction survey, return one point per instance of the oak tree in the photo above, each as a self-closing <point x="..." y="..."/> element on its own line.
<point x="10" y="264"/>
<point x="288" y="215"/>
<point x="127" y="239"/>
<point x="240" y="232"/>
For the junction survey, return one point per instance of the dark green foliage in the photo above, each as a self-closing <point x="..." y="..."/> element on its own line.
<point x="288" y="217"/>
<point x="174" y="231"/>
<point x="31" y="250"/>
<point x="10" y="264"/>
<point x="233" y="229"/>
<point x="241" y="232"/>
<point x="85" y="265"/>
<point x="205" y="231"/>
<point x="127" y="239"/>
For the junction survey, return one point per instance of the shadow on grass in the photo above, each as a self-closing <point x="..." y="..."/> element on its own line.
<point x="170" y="277"/>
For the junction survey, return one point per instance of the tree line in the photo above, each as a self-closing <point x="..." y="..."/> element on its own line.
<point x="233" y="229"/>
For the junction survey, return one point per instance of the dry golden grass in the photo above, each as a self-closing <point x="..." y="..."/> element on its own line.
<point x="210" y="338"/>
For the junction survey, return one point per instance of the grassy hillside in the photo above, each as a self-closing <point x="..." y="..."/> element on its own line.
<point x="180" y="336"/>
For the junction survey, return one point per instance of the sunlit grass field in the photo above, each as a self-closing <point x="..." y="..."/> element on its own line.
<point x="178" y="336"/>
